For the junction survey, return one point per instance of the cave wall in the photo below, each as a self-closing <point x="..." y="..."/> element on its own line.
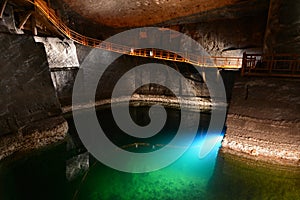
<point x="124" y="63"/>
<point x="27" y="93"/>
<point x="63" y="65"/>
<point x="263" y="119"/>
<point x="226" y="31"/>
<point x="283" y="28"/>
<point x="64" y="74"/>
<point x="229" y="37"/>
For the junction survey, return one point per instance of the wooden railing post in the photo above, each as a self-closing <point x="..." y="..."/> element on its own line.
<point x="24" y="20"/>
<point x="221" y="62"/>
<point x="33" y="25"/>
<point x="244" y="64"/>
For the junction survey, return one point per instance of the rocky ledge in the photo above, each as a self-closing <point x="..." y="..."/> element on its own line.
<point x="33" y="136"/>
<point x="192" y="103"/>
<point x="263" y="121"/>
<point x="273" y="141"/>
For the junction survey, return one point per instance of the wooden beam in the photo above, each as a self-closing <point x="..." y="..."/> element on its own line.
<point x="33" y="24"/>
<point x="33" y="20"/>
<point x="3" y="5"/>
<point x="25" y="19"/>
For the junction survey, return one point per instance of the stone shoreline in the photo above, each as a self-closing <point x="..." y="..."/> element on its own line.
<point x="194" y="103"/>
<point x="273" y="141"/>
<point x="263" y="121"/>
<point x="35" y="135"/>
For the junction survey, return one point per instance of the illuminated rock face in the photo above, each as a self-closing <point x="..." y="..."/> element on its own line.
<point x="132" y="13"/>
<point x="226" y="28"/>
<point x="60" y="53"/>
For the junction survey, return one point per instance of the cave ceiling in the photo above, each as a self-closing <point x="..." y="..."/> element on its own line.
<point x="137" y="13"/>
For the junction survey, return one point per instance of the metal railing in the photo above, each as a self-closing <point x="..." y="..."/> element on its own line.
<point x="281" y="65"/>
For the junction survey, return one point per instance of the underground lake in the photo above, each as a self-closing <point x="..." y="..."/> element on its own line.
<point x="48" y="173"/>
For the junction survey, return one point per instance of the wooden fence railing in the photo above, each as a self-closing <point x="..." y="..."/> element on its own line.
<point x="216" y="62"/>
<point x="281" y="65"/>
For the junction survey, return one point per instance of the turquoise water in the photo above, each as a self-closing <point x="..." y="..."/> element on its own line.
<point x="42" y="174"/>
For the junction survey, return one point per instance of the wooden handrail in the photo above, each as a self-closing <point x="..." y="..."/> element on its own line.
<point x="220" y="62"/>
<point x="252" y="64"/>
<point x="284" y="65"/>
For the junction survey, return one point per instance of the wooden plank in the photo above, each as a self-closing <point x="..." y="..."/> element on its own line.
<point x="3" y="6"/>
<point x="25" y="19"/>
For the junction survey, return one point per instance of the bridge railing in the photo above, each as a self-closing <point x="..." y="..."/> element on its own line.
<point x="285" y="65"/>
<point x="219" y="62"/>
<point x="252" y="64"/>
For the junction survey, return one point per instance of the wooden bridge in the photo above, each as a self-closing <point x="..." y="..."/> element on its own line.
<point x="219" y="62"/>
<point x="284" y="65"/>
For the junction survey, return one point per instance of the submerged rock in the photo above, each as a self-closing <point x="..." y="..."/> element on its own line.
<point x="77" y="165"/>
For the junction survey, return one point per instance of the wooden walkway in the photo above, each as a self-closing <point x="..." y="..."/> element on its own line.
<point x="219" y="62"/>
<point x="282" y="65"/>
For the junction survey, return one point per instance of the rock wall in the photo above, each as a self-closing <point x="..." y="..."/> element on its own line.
<point x="63" y="64"/>
<point x="7" y="23"/>
<point x="64" y="77"/>
<point x="63" y="80"/>
<point x="264" y="119"/>
<point x="122" y="13"/>
<point x="225" y="30"/>
<point x="283" y="29"/>
<point x="26" y="90"/>
<point x="60" y="53"/>
<point x="229" y="37"/>
<point x="117" y="69"/>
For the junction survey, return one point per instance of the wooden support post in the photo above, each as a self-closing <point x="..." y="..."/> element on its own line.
<point x="33" y="24"/>
<point x="23" y="22"/>
<point x="244" y="64"/>
<point x="3" y="5"/>
<point x="33" y="21"/>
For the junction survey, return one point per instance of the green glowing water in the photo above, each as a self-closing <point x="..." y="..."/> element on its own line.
<point x="41" y="175"/>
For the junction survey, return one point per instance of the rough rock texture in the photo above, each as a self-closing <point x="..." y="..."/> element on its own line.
<point x="282" y="33"/>
<point x="63" y="63"/>
<point x="7" y="23"/>
<point x="225" y="28"/>
<point x="132" y="13"/>
<point x="77" y="165"/>
<point x="90" y="62"/>
<point x="26" y="90"/>
<point x="64" y="78"/>
<point x="63" y="81"/>
<point x="229" y="37"/>
<point x="60" y="53"/>
<point x="196" y="103"/>
<point x="264" y="119"/>
<point x="33" y="136"/>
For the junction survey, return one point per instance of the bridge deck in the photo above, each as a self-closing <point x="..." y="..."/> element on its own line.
<point x="219" y="62"/>
<point x="286" y="65"/>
